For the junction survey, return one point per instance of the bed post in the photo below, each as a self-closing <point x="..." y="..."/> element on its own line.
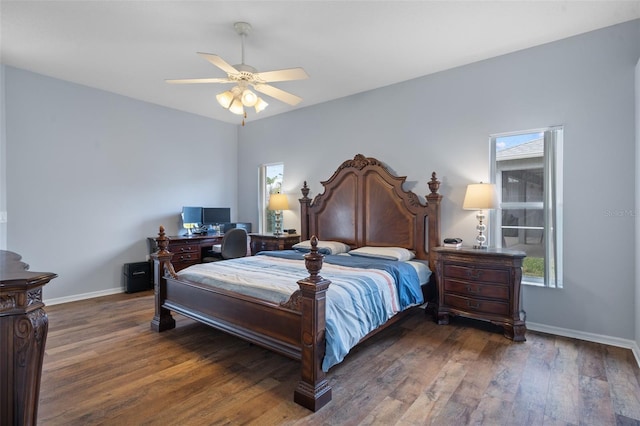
<point x="162" y="319"/>
<point x="433" y="203"/>
<point x="305" y="201"/>
<point x="313" y="390"/>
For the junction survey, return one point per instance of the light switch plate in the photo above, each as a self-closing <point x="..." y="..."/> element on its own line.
<point x="3" y="217"/>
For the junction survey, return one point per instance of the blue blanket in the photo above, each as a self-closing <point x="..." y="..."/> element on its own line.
<point x="356" y="305"/>
<point x="406" y="277"/>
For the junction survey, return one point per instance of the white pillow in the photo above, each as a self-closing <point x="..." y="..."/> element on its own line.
<point x="389" y="253"/>
<point x="324" y="247"/>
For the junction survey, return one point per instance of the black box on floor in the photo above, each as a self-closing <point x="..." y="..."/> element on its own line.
<point x="137" y="276"/>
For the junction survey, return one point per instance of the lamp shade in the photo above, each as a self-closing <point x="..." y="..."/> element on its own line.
<point x="260" y="105"/>
<point x="278" y="202"/>
<point x="236" y="106"/>
<point x="249" y="98"/>
<point x="480" y="196"/>
<point x="225" y="99"/>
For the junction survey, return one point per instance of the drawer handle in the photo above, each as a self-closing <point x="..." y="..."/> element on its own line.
<point x="474" y="273"/>
<point x="474" y="305"/>
<point x="472" y="289"/>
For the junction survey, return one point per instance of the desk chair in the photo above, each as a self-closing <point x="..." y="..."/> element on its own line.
<point x="233" y="245"/>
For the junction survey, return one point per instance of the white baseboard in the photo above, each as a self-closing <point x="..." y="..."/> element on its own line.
<point x="83" y="296"/>
<point x="589" y="337"/>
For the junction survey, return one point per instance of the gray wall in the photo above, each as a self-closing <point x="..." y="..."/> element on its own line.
<point x="3" y="164"/>
<point x="91" y="174"/>
<point x="637" y="210"/>
<point x="442" y="122"/>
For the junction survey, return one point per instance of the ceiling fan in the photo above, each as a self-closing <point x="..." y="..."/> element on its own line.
<point x="246" y="77"/>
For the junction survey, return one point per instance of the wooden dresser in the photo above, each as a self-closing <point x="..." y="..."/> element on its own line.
<point x="23" y="334"/>
<point x="481" y="284"/>
<point x="269" y="242"/>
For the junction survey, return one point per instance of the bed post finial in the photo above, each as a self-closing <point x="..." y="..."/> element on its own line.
<point x="313" y="261"/>
<point x="305" y="202"/>
<point x="163" y="241"/>
<point x="305" y="190"/>
<point x="434" y="183"/>
<point x="313" y="390"/>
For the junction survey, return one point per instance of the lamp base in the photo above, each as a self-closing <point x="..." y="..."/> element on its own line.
<point x="481" y="228"/>
<point x="278" y="228"/>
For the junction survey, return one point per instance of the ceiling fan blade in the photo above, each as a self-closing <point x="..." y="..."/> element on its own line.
<point x="279" y="94"/>
<point x="199" y="80"/>
<point x="283" y="75"/>
<point x="219" y="62"/>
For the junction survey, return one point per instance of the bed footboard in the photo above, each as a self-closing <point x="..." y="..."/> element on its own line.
<point x="295" y="329"/>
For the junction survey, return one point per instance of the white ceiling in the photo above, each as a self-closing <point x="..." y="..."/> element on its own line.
<point x="347" y="47"/>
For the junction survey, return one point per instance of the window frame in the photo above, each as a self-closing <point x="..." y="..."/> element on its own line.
<point x="551" y="204"/>
<point x="263" y="195"/>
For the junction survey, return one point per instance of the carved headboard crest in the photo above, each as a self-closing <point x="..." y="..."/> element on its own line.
<point x="364" y="204"/>
<point x="360" y="162"/>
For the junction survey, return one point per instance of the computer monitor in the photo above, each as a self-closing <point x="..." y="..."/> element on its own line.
<point x="216" y="215"/>
<point x="191" y="215"/>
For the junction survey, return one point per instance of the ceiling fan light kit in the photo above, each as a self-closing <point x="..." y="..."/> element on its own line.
<point x="245" y="78"/>
<point x="249" y="98"/>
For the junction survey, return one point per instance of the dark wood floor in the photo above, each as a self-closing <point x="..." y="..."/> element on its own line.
<point x="103" y="365"/>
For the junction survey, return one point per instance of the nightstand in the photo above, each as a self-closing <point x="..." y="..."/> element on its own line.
<point x="268" y="242"/>
<point x="482" y="284"/>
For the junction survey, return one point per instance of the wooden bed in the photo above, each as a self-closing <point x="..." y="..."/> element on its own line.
<point x="363" y="204"/>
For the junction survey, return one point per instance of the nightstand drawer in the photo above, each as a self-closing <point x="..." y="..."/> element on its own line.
<point x="265" y="245"/>
<point x="477" y="305"/>
<point x="268" y="242"/>
<point x="500" y="276"/>
<point x="473" y="289"/>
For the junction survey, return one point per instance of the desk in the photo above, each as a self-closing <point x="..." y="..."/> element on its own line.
<point x="187" y="250"/>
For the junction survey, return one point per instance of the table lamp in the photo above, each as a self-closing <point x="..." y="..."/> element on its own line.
<point x="480" y="196"/>
<point x="277" y="203"/>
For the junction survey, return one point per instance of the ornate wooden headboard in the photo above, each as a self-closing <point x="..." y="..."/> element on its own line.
<point x="363" y="204"/>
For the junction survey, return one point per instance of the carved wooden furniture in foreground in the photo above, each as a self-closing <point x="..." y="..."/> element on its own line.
<point x="23" y="333"/>
<point x="363" y="204"/>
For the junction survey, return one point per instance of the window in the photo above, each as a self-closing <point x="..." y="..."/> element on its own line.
<point x="527" y="171"/>
<point x="270" y="183"/>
